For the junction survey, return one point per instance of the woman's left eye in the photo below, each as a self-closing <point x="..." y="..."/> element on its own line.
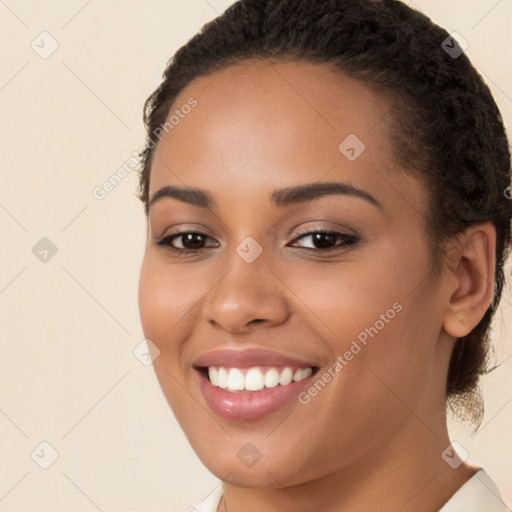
<point x="326" y="240"/>
<point x="194" y="241"/>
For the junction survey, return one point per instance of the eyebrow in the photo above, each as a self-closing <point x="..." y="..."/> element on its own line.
<point x="280" y="197"/>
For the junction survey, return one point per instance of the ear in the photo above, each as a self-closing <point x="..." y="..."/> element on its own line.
<point x="472" y="263"/>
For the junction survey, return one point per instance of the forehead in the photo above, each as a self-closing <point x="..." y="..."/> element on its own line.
<point x="268" y="124"/>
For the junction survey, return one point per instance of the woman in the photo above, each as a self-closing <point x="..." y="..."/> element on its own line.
<point x="325" y="188"/>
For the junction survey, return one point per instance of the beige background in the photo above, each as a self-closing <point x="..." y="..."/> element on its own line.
<point x="69" y="325"/>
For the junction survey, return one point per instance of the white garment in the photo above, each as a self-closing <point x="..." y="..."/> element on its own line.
<point x="478" y="494"/>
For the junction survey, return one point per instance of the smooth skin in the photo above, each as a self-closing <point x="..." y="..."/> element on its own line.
<point x="373" y="437"/>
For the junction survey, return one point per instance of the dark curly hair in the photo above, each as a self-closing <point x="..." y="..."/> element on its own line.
<point x="447" y="129"/>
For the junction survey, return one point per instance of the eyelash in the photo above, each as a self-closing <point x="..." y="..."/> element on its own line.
<point x="347" y="241"/>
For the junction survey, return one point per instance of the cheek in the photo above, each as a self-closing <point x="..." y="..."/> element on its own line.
<point x="162" y="319"/>
<point x="380" y="311"/>
<point x="162" y="308"/>
<point x="152" y="300"/>
<point x="165" y="301"/>
<point x="344" y="300"/>
<point x="376" y="319"/>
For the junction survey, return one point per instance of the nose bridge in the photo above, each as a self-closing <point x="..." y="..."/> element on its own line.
<point x="247" y="291"/>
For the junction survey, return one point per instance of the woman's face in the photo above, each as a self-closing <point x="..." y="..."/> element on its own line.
<point x="255" y="288"/>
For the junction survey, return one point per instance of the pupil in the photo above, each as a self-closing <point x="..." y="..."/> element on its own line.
<point x="194" y="239"/>
<point x="318" y="241"/>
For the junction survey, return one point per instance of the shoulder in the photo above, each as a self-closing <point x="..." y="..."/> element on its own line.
<point x="209" y="503"/>
<point x="478" y="494"/>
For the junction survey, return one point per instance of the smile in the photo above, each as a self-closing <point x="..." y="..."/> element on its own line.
<point x="255" y="379"/>
<point x="246" y="385"/>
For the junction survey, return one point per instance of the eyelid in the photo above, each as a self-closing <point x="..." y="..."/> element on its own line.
<point x="178" y="229"/>
<point x="345" y="230"/>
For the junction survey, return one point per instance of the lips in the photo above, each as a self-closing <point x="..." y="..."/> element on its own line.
<point x="249" y="358"/>
<point x="242" y="403"/>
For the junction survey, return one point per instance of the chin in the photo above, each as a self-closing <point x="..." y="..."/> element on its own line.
<point x="256" y="477"/>
<point x="267" y="472"/>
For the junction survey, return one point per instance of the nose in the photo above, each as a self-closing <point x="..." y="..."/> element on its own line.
<point x="249" y="294"/>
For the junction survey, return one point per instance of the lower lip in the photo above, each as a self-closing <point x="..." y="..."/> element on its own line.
<point x="249" y="405"/>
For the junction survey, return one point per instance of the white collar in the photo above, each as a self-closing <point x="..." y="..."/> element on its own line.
<point x="478" y="494"/>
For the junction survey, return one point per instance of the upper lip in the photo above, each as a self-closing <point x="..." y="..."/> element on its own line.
<point x="248" y="358"/>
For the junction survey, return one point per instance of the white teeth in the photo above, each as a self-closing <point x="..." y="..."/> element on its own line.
<point x="222" y="378"/>
<point x="213" y="374"/>
<point x="302" y="373"/>
<point x="233" y="379"/>
<point x="254" y="380"/>
<point x="271" y="378"/>
<point x="286" y="377"/>
<point x="306" y="372"/>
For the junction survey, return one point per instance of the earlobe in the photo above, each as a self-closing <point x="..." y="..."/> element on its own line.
<point x="473" y="266"/>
